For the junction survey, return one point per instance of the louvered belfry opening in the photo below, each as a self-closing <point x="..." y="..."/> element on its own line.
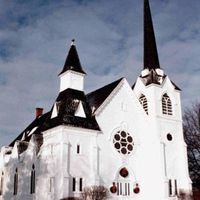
<point x="166" y="105"/>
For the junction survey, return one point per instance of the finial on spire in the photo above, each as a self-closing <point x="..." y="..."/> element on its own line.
<point x="73" y="42"/>
<point x="151" y="60"/>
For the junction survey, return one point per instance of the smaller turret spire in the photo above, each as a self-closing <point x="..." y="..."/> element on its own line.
<point x="151" y="60"/>
<point x="72" y="61"/>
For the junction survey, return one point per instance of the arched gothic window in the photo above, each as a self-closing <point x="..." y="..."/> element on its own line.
<point x="143" y="101"/>
<point x="166" y="105"/>
<point x="123" y="183"/>
<point x="33" y="179"/>
<point x="1" y="184"/>
<point x="15" y="182"/>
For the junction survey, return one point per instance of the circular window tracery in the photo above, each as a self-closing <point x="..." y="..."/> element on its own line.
<point x="123" y="142"/>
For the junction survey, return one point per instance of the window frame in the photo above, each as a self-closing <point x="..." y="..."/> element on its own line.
<point x="78" y="149"/>
<point x="170" y="187"/>
<point x="144" y="102"/>
<point x="175" y="187"/>
<point x="32" y="183"/>
<point x="166" y="102"/>
<point x="15" y="188"/>
<point x="51" y="184"/>
<point x="80" y="184"/>
<point x="73" y="184"/>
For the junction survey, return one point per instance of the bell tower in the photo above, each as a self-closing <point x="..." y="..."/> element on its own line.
<point x="160" y="102"/>
<point x="153" y="82"/>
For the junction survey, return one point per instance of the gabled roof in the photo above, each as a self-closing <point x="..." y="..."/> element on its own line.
<point x="175" y="86"/>
<point x="97" y="97"/>
<point x="151" y="60"/>
<point x="133" y="86"/>
<point x="72" y="61"/>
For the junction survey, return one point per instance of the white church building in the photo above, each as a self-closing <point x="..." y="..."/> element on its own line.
<point x="127" y="138"/>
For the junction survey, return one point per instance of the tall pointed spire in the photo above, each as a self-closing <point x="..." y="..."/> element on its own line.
<point x="72" y="61"/>
<point x="151" y="60"/>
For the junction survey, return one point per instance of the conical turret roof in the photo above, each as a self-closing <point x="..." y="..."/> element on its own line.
<point x="72" y="61"/>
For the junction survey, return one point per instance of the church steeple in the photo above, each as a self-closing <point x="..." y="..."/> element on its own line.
<point x="72" y="74"/>
<point x="151" y="72"/>
<point x="151" y="60"/>
<point x="72" y="61"/>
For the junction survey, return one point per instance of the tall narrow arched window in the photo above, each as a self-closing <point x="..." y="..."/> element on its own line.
<point x="1" y="183"/>
<point x="166" y="105"/>
<point x="15" y="182"/>
<point x="33" y="179"/>
<point x="143" y="101"/>
<point x="170" y="187"/>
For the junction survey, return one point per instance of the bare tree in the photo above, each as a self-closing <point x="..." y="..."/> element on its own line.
<point x="191" y="126"/>
<point x="95" y="193"/>
<point x="183" y="195"/>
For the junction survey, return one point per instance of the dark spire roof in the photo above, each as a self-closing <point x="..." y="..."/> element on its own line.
<point x="72" y="61"/>
<point x="151" y="59"/>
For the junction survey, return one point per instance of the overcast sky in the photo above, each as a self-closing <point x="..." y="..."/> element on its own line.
<point x="35" y="37"/>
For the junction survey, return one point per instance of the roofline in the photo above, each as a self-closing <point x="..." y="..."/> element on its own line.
<point x="109" y="97"/>
<point x="70" y="70"/>
<point x="66" y="126"/>
<point x="21" y="134"/>
<point x="120" y="79"/>
<point x="160" y="85"/>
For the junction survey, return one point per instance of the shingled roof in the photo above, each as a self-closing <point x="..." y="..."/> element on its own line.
<point x="72" y="61"/>
<point x="67" y="104"/>
<point x="33" y="128"/>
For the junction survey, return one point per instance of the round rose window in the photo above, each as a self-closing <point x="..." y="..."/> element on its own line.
<point x="123" y="142"/>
